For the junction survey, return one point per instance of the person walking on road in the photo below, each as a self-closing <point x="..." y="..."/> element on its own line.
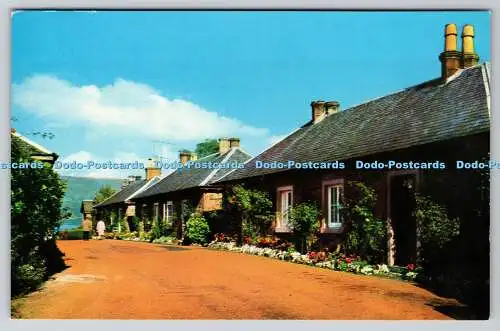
<point x="100" y="229"/>
<point x="87" y="227"/>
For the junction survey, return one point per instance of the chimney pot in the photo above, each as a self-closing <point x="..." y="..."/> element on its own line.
<point x="469" y="56"/>
<point x="450" y="58"/>
<point x="450" y="37"/>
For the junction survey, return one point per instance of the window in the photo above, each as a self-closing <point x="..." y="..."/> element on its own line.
<point x="284" y="204"/>
<point x="333" y="205"/>
<point x="169" y="212"/>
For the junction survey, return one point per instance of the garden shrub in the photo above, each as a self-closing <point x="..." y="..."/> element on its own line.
<point x="155" y="231"/>
<point x="253" y="208"/>
<point x="305" y="223"/>
<point x="366" y="235"/>
<point x="125" y="226"/>
<point x="140" y="228"/>
<point x="160" y="229"/>
<point x="436" y="228"/>
<point x="439" y="245"/>
<point x="197" y="229"/>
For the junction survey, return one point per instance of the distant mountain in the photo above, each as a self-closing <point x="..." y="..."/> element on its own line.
<point x="82" y="188"/>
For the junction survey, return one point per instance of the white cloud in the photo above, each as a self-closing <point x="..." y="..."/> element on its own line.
<point x="124" y="106"/>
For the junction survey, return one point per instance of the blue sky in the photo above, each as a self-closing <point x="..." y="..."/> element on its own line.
<point x="111" y="85"/>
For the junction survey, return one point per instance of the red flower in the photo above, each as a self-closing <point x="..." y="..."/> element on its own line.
<point x="411" y="267"/>
<point x="348" y="260"/>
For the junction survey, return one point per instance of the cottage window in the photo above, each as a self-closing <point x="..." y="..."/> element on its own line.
<point x="334" y="198"/>
<point x="284" y="204"/>
<point x="169" y="212"/>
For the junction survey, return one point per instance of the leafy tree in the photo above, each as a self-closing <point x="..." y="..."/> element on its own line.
<point x="207" y="147"/>
<point x="366" y="235"/>
<point x="254" y="208"/>
<point x="304" y="220"/>
<point x="104" y="193"/>
<point x="36" y="214"/>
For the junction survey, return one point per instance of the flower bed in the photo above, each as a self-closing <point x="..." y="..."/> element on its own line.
<point x="338" y="262"/>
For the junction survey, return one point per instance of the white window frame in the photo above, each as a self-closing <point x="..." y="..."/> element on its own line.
<point x="169" y="218"/>
<point x="338" y="184"/>
<point x="282" y="224"/>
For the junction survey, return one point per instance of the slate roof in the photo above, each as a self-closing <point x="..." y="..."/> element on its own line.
<point x="421" y="114"/>
<point x="122" y="195"/>
<point x="186" y="178"/>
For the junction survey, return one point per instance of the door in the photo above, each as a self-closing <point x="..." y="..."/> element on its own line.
<point x="402" y="212"/>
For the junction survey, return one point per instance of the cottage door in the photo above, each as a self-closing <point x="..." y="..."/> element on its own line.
<point x="402" y="211"/>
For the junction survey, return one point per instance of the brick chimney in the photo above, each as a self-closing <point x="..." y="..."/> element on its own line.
<point x="469" y="56"/>
<point x="332" y="107"/>
<point x="151" y="170"/>
<point x="234" y="142"/>
<point x="318" y="109"/>
<point x="224" y="145"/>
<point x="184" y="157"/>
<point x="450" y="58"/>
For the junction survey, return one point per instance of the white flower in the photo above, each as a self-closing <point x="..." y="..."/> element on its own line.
<point x="367" y="270"/>
<point x="382" y="268"/>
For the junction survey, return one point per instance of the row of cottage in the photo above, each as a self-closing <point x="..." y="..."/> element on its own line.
<point x="444" y="119"/>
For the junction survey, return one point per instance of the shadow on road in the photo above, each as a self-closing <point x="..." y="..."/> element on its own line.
<point x="456" y="311"/>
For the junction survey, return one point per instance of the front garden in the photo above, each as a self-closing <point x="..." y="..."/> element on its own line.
<point x="276" y="249"/>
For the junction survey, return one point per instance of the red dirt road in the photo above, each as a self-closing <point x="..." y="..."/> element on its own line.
<point x="112" y="279"/>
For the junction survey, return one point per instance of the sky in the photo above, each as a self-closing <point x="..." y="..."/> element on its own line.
<point x="130" y="85"/>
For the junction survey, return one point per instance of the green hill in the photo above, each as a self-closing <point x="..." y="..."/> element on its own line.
<point x="82" y="188"/>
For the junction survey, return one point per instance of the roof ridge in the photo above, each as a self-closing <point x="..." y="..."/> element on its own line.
<point x="142" y="188"/>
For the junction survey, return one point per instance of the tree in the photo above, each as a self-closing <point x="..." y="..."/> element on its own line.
<point x="207" y="147"/>
<point x="104" y="193"/>
<point x="36" y="214"/>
